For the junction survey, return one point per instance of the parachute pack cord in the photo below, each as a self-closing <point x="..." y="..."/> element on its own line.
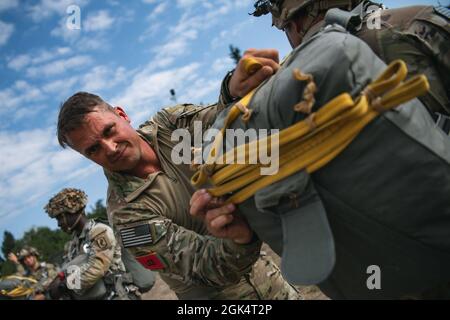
<point x="308" y="144"/>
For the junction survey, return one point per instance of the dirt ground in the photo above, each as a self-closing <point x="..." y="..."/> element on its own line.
<point x="161" y="291"/>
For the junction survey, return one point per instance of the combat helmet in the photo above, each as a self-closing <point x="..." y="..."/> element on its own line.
<point x="27" y="251"/>
<point x="283" y="10"/>
<point x="68" y="200"/>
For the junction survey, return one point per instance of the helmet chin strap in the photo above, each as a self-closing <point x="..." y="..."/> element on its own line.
<point x="70" y="229"/>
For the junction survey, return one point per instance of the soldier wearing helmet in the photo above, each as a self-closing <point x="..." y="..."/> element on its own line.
<point x="99" y="272"/>
<point x="419" y="35"/>
<point x="28" y="265"/>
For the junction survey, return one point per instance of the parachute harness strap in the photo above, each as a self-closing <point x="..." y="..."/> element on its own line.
<point x="22" y="290"/>
<point x="311" y="143"/>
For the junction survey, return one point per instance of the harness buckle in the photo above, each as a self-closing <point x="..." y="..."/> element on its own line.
<point x="443" y="122"/>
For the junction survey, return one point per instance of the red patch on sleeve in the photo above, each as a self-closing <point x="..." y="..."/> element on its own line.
<point x="151" y="261"/>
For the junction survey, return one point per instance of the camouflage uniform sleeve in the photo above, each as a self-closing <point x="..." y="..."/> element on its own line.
<point x="185" y="115"/>
<point x="100" y="255"/>
<point x="185" y="255"/>
<point x="46" y="279"/>
<point x="225" y="97"/>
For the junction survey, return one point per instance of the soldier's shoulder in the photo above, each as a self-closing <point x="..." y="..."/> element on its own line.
<point x="99" y="228"/>
<point x="172" y="114"/>
<point x="48" y="266"/>
<point x="402" y="18"/>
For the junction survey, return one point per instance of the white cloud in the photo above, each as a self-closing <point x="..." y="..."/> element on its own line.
<point x="222" y="64"/>
<point x="47" y="8"/>
<point x="91" y="40"/>
<point x="92" y="43"/>
<point x="32" y="165"/>
<point x="59" y="66"/>
<point x="103" y="77"/>
<point x="61" y="87"/>
<point x="68" y="35"/>
<point x="200" y="88"/>
<point x="151" y="89"/>
<point x="98" y="21"/>
<point x="27" y="112"/>
<point x="177" y="46"/>
<point x="180" y="37"/>
<point x="158" y="11"/>
<point x="19" y="62"/>
<point x="192" y="22"/>
<point x="8" y="4"/>
<point x="47" y="55"/>
<point x="6" y="30"/>
<point x="150" y="31"/>
<point x="20" y="94"/>
<point x="226" y="36"/>
<point x="187" y="3"/>
<point x="20" y="149"/>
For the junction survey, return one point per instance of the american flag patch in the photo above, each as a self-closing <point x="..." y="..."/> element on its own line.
<point x="136" y="236"/>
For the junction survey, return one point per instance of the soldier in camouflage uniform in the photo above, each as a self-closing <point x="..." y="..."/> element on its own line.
<point x="419" y="35"/>
<point x="93" y="250"/>
<point x="148" y="203"/>
<point x="28" y="265"/>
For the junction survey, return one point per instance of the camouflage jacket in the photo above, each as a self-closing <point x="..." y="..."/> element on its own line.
<point x="102" y="253"/>
<point x="418" y="35"/>
<point x="152" y="218"/>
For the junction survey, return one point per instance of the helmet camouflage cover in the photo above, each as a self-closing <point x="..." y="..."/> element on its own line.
<point x="68" y="200"/>
<point x="27" y="251"/>
<point x="283" y="10"/>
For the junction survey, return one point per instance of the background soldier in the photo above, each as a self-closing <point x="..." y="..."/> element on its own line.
<point x="28" y="265"/>
<point x="93" y="253"/>
<point x="419" y="35"/>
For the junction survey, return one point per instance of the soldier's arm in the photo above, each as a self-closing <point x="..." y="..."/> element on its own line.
<point x="20" y="270"/>
<point x="184" y="116"/>
<point x="50" y="274"/>
<point x="161" y="245"/>
<point x="100" y="256"/>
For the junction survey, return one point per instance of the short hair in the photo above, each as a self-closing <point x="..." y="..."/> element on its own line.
<point x="72" y="113"/>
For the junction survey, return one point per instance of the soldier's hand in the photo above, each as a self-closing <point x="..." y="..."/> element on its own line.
<point x="242" y="83"/>
<point x="220" y="219"/>
<point x="13" y="258"/>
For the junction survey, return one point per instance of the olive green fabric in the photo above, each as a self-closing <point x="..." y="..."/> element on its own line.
<point x="385" y="196"/>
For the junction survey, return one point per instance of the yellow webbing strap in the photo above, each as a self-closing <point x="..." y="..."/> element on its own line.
<point x="309" y="144"/>
<point x="20" y="291"/>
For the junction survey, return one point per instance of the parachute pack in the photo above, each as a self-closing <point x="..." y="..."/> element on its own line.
<point x="379" y="199"/>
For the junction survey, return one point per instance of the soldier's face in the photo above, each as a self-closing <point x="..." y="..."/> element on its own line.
<point x="108" y="139"/>
<point x="65" y="221"/>
<point x="29" y="261"/>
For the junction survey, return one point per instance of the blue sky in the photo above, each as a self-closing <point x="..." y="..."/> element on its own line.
<point x="129" y="52"/>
